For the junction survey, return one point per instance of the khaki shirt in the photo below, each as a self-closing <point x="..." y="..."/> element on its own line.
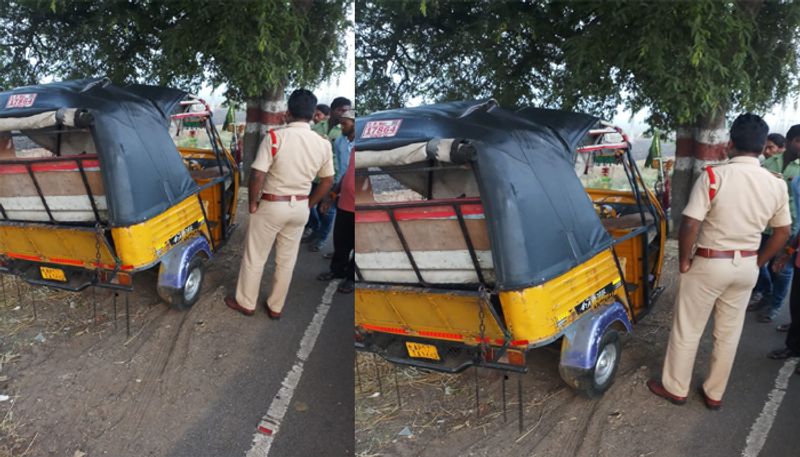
<point x="748" y="199"/>
<point x="302" y="156"/>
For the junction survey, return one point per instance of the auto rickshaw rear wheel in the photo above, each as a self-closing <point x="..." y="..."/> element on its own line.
<point x="605" y="367"/>
<point x="190" y="292"/>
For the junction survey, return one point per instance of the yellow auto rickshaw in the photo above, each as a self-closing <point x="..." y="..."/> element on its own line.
<point x="486" y="245"/>
<point x="93" y="188"/>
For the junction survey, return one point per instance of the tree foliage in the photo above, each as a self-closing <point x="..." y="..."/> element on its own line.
<point x="682" y="60"/>
<point x="443" y="50"/>
<point x="253" y="46"/>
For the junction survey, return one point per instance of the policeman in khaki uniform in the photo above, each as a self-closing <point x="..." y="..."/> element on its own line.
<point x="729" y="206"/>
<point x="287" y="161"/>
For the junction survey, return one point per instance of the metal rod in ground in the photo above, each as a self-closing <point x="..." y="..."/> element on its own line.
<point x="505" y="377"/>
<point x="3" y="282"/>
<point x="19" y="293"/>
<point x="94" y="304"/>
<point x="519" y="397"/>
<point x="33" y="303"/>
<point x="378" y="373"/>
<point x="397" y="389"/>
<point x="114" y="298"/>
<point x="358" y="376"/>
<point x="477" y="394"/>
<point x="127" y="316"/>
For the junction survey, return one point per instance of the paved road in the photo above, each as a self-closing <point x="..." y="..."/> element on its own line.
<point x="725" y="433"/>
<point x="319" y="419"/>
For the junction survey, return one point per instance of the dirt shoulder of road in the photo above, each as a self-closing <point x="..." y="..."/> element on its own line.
<point x="78" y="384"/>
<point x="436" y="414"/>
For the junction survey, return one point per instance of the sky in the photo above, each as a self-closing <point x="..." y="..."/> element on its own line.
<point x="779" y="118"/>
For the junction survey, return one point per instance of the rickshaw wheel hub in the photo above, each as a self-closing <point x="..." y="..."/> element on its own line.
<point x="192" y="284"/>
<point x="605" y="364"/>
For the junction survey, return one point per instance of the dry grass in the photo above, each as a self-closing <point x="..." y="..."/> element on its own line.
<point x="27" y="313"/>
<point x="430" y="403"/>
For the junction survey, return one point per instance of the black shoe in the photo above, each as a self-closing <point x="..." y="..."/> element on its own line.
<point x="783" y="327"/>
<point x="781" y="354"/>
<point x="765" y="318"/>
<point x="756" y="306"/>
<point x="328" y="275"/>
<point x="346" y="287"/>
<point x="307" y="235"/>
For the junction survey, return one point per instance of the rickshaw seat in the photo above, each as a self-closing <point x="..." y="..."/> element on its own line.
<point x="628" y="221"/>
<point x="205" y="174"/>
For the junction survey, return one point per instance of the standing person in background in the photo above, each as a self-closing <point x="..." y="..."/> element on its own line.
<point x="343" y="195"/>
<point x="776" y="144"/>
<point x="331" y="129"/>
<point x="729" y="207"/>
<point x="322" y="114"/>
<point x="287" y="161"/>
<point x="773" y="285"/>
<point x="791" y="346"/>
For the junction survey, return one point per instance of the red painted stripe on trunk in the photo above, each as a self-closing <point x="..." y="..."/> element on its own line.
<point x="264" y="117"/>
<point x="252" y="115"/>
<point x="684" y="146"/>
<point x="270" y="118"/>
<point x="713" y="152"/>
<point x="415" y="214"/>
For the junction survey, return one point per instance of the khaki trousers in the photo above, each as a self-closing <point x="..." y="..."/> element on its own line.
<point x="279" y="223"/>
<point x="721" y="285"/>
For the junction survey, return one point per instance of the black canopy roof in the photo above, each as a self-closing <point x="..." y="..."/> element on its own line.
<point x="540" y="220"/>
<point x="143" y="174"/>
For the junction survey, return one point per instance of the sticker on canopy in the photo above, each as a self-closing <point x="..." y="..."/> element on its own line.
<point x="381" y="129"/>
<point x="20" y="100"/>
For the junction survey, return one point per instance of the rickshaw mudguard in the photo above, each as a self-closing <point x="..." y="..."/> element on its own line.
<point x="582" y="338"/>
<point x="175" y="263"/>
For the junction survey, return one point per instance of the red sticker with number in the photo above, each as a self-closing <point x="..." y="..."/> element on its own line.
<point x="381" y="129"/>
<point x="20" y="100"/>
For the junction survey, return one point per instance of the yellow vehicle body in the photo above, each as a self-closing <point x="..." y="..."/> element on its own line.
<point x="137" y="247"/>
<point x="143" y="244"/>
<point x="532" y="316"/>
<point x="445" y="315"/>
<point x="536" y="314"/>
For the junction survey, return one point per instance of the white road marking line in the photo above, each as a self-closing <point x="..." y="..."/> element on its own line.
<point x="271" y="422"/>
<point x="760" y="429"/>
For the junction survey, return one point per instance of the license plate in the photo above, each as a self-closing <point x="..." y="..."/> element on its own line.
<point x="56" y="274"/>
<point x="422" y="351"/>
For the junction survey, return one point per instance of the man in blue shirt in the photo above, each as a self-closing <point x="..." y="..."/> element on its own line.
<point x="344" y="144"/>
<point x="321" y="224"/>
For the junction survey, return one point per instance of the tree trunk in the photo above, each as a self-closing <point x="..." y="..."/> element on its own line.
<point x="263" y="113"/>
<point x="697" y="145"/>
